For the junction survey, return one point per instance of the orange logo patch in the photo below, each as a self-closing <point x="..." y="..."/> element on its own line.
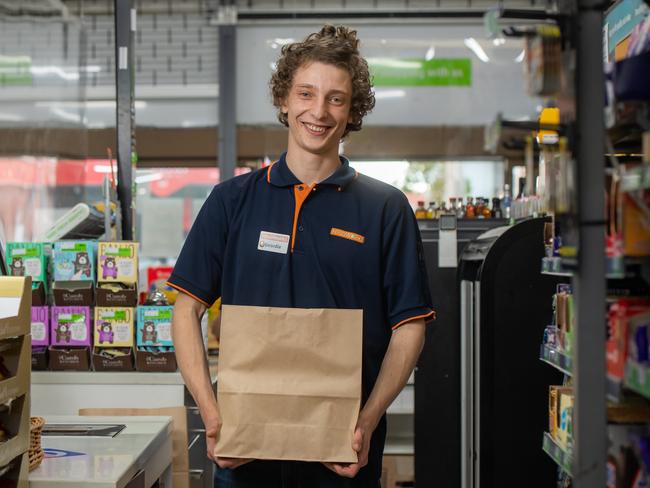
<point x="347" y="235"/>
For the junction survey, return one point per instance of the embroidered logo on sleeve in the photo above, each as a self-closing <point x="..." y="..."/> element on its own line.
<point x="351" y="236"/>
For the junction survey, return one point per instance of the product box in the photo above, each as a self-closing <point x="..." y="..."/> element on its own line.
<point x="16" y="422"/>
<point x="73" y="293"/>
<point x="69" y="359"/>
<point x="114" y="327"/>
<point x="154" y="326"/>
<point x="29" y="259"/>
<point x="39" y="358"/>
<point x="70" y="326"/>
<point x="40" y="326"/>
<point x="116" y="295"/>
<point x="113" y="359"/>
<point x="155" y="359"/>
<point x="554" y="392"/>
<point x="565" y="414"/>
<point x="618" y="318"/>
<point x="15" y="306"/>
<point x="39" y="295"/>
<point x="15" y="365"/>
<point x="74" y="260"/>
<point x="117" y="262"/>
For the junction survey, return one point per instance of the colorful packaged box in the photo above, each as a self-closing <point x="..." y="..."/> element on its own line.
<point x="617" y="343"/>
<point x="70" y="326"/>
<point x="565" y="413"/>
<point x="157" y="277"/>
<point x="114" y="327"/>
<point x="29" y="259"/>
<point x="40" y="326"/>
<point x="74" y="260"/>
<point x="117" y="262"/>
<point x="154" y="326"/>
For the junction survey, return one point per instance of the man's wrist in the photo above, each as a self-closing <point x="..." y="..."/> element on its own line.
<point x="368" y="419"/>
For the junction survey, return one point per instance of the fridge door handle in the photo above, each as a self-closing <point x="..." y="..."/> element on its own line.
<point x="476" y="345"/>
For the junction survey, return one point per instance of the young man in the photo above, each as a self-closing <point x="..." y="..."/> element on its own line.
<point x="353" y="243"/>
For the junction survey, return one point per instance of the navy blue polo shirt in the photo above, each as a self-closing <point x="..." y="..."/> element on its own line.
<point x="352" y="242"/>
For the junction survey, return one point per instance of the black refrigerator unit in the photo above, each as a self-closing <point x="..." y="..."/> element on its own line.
<point x="481" y="392"/>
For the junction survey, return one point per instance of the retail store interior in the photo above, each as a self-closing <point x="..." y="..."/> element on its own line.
<point x="519" y="132"/>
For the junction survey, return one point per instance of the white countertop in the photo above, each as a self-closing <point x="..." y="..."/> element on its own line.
<point x="102" y="462"/>
<point x="105" y="378"/>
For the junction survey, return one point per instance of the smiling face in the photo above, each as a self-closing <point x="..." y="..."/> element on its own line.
<point x="318" y="109"/>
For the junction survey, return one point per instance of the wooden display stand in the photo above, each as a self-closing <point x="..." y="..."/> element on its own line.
<point x="15" y="364"/>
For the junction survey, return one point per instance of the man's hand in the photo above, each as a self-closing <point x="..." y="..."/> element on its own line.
<point x="212" y="429"/>
<point x="361" y="444"/>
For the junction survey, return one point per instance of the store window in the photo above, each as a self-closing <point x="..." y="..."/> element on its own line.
<point x="438" y="181"/>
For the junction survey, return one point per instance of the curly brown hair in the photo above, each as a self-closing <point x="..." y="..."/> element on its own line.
<point x="337" y="46"/>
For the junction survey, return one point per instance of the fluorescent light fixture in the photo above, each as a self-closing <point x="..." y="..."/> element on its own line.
<point x="63" y="115"/>
<point x="520" y="58"/>
<point x="54" y="70"/>
<point x="91" y="69"/>
<point x="395" y="63"/>
<point x="11" y="118"/>
<point x="102" y="168"/>
<point x="473" y="45"/>
<point x="110" y="104"/>
<point x="383" y="94"/>
<point x="431" y="52"/>
<point x="499" y="41"/>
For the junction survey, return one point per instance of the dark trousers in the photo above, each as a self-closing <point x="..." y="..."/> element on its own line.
<point x="287" y="474"/>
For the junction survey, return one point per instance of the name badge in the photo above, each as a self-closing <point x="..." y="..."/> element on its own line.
<point x="271" y="242"/>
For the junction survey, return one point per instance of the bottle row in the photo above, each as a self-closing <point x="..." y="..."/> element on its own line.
<point x="476" y="208"/>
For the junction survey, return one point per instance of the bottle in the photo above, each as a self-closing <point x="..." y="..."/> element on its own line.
<point x="470" y="211"/>
<point x="507" y="201"/>
<point x="431" y="210"/>
<point x="478" y="208"/>
<point x="487" y="213"/>
<point x="420" y="211"/>
<point x="497" y="213"/>
<point x="460" y="209"/>
<point x="452" y="205"/>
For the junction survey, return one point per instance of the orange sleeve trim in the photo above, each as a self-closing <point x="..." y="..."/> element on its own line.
<point x="427" y="317"/>
<point x="268" y="172"/>
<point x="176" y="287"/>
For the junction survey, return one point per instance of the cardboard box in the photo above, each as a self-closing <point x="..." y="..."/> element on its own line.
<point x="73" y="293"/>
<point x="155" y="326"/>
<point x="114" y="327"/>
<point x="157" y="277"/>
<point x="16" y="421"/>
<point x="70" y="326"/>
<point x="117" y="262"/>
<point x="39" y="358"/>
<point x="74" y="261"/>
<point x="16" y="363"/>
<point x="124" y="297"/>
<point x="155" y="362"/>
<point x="29" y="259"/>
<point x="121" y="363"/>
<point x="554" y="419"/>
<point x="69" y="359"/>
<point x="15" y="306"/>
<point x="40" y="326"/>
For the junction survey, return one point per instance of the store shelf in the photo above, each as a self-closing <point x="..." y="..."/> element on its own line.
<point x="636" y="179"/>
<point x="615" y="267"/>
<point x="637" y="378"/>
<point x="399" y="446"/>
<point x="562" y="458"/>
<point x="557" y="359"/>
<point x="105" y="378"/>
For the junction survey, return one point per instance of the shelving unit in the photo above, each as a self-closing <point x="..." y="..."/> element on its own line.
<point x="561" y="457"/>
<point x="558" y="359"/>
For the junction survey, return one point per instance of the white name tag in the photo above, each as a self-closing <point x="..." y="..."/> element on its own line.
<point x="271" y="242"/>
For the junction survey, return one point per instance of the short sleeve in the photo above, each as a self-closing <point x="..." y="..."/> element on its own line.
<point x="405" y="281"/>
<point x="199" y="267"/>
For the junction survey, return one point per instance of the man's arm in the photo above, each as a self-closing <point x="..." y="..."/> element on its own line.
<point x="400" y="359"/>
<point x="192" y="361"/>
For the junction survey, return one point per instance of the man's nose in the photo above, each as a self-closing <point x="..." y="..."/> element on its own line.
<point x="319" y="109"/>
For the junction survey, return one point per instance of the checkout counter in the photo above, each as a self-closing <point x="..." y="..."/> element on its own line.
<point x="105" y="452"/>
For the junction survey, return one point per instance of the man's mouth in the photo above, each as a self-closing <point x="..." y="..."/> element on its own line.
<point x="316" y="130"/>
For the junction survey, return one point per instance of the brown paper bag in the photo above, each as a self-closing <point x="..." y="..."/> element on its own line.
<point x="289" y="383"/>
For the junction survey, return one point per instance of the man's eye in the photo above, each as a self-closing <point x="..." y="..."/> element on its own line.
<point x="303" y="94"/>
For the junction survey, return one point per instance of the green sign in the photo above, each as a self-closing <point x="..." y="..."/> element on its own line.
<point x="396" y="72"/>
<point x="158" y="315"/>
<point x="74" y="247"/>
<point x="121" y="252"/>
<point x="72" y="319"/>
<point x="113" y="315"/>
<point x="15" y="70"/>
